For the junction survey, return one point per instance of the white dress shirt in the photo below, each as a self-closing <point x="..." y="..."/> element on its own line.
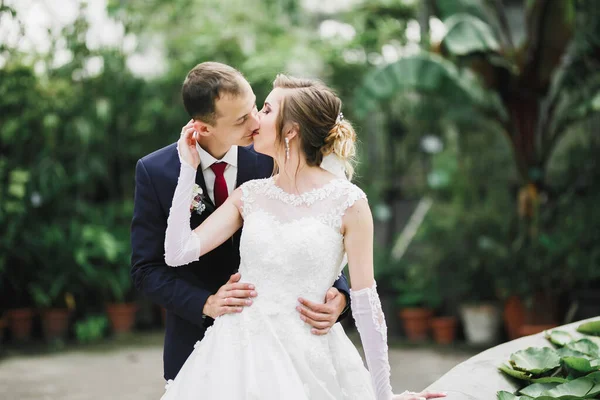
<point x="230" y="174"/>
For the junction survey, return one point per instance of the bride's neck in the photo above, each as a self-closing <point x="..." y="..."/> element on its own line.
<point x="296" y="176"/>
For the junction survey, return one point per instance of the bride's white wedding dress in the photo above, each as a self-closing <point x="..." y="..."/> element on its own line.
<point x="291" y="247"/>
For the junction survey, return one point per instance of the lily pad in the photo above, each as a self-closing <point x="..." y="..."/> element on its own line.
<point x="567" y="352"/>
<point x="578" y="388"/>
<point x="503" y="395"/>
<point x="590" y="328"/>
<point x="594" y="376"/>
<point x="508" y="370"/>
<point x="595" y="339"/>
<point x="559" y="338"/>
<point x="550" y="379"/>
<point x="595" y="390"/>
<point x="579" y="364"/>
<point x="559" y="398"/>
<point x="537" y="389"/>
<point x="535" y="360"/>
<point x="585" y="346"/>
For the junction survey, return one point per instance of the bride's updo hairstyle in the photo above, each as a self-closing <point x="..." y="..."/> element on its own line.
<point x="316" y="110"/>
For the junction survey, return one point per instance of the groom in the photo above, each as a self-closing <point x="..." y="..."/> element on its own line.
<point x="223" y="110"/>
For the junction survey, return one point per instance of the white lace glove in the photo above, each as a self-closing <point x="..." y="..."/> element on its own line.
<point x="370" y="321"/>
<point x="182" y="245"/>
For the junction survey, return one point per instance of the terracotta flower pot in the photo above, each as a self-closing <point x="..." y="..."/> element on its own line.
<point x="416" y="323"/>
<point x="20" y="321"/>
<point x="514" y="316"/>
<point x="532" y="329"/>
<point x="121" y="317"/>
<point x="444" y="329"/>
<point x="55" y="323"/>
<point x="2" y="326"/>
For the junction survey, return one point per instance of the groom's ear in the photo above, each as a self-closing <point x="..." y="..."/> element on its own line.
<point x="202" y="128"/>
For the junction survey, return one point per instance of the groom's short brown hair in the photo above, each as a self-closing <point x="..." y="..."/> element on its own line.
<point x="204" y="85"/>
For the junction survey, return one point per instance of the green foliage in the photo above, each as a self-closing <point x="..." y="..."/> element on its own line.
<point x="417" y="286"/>
<point x="590" y="328"/>
<point x="559" y="338"/>
<point x="91" y="329"/>
<point x="534" y="90"/>
<point x="69" y="141"/>
<point x="67" y="156"/>
<point x="429" y="74"/>
<point x="463" y="237"/>
<point x="572" y="376"/>
<point x="103" y="260"/>
<point x="537" y="389"/>
<point x="535" y="361"/>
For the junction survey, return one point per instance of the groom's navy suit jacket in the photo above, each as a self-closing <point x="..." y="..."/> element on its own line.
<point x="182" y="291"/>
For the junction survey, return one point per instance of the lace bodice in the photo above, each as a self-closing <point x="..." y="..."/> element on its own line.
<point x="291" y="245"/>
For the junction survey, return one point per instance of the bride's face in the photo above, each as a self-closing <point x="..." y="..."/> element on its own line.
<point x="265" y="139"/>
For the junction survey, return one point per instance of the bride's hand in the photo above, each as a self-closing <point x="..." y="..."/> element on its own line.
<point x="187" y="146"/>
<point x="418" y="396"/>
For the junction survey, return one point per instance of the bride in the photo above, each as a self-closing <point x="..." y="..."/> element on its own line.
<point x="298" y="227"/>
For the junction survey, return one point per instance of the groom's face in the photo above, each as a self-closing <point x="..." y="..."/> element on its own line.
<point x="237" y="117"/>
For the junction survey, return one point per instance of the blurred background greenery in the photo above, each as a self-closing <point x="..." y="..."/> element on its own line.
<point x="477" y="123"/>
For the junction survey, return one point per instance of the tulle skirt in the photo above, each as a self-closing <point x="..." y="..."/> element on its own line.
<point x="257" y="355"/>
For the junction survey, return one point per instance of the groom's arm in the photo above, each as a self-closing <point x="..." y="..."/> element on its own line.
<point x="150" y="273"/>
<point x="342" y="285"/>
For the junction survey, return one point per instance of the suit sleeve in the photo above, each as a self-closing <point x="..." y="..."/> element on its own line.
<point x="342" y="285"/>
<point x="150" y="274"/>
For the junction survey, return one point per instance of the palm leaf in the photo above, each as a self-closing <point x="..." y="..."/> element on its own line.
<point x="428" y="74"/>
<point x="467" y="34"/>
<point x="476" y="8"/>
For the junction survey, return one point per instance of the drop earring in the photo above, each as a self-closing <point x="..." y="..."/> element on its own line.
<point x="287" y="148"/>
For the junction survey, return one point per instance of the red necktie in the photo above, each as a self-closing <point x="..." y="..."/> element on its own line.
<point x="220" y="183"/>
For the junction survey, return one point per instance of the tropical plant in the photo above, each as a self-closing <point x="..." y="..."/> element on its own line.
<point x="532" y="91"/>
<point x="56" y="276"/>
<point x="465" y="236"/>
<point x="104" y="260"/>
<point x="417" y="286"/>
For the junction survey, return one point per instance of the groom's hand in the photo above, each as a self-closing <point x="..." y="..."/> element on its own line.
<point x="231" y="298"/>
<point x="322" y="316"/>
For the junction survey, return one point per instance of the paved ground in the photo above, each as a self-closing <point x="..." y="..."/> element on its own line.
<point x="131" y="369"/>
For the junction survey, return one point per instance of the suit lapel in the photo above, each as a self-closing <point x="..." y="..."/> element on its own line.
<point x="196" y="218"/>
<point x="246" y="169"/>
<point x="200" y="182"/>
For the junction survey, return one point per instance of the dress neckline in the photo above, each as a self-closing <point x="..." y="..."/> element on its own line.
<point x="308" y="197"/>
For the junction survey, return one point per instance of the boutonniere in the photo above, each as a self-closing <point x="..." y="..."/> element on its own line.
<point x="198" y="204"/>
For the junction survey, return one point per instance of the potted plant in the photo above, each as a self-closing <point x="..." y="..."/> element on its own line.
<point x="479" y="312"/>
<point x="2" y="326"/>
<point x="55" y="278"/>
<point x="121" y="312"/>
<point x="385" y="275"/>
<point x="55" y="304"/>
<point x="20" y="314"/>
<point x="417" y="298"/>
<point x="2" y="317"/>
<point x="104" y="259"/>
